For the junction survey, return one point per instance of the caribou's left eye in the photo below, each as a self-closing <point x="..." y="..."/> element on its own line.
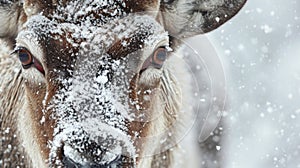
<point x="157" y="59"/>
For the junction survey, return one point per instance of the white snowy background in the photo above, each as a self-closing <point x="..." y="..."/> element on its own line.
<point x="260" y="53"/>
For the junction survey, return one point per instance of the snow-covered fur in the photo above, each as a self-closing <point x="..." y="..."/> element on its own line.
<point x="98" y="91"/>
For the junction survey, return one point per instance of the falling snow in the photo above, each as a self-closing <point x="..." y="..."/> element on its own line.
<point x="260" y="50"/>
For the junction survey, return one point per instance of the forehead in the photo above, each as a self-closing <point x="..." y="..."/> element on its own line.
<point x="102" y="8"/>
<point x="83" y="28"/>
<point x="101" y="11"/>
<point x="83" y="20"/>
<point x="129" y="32"/>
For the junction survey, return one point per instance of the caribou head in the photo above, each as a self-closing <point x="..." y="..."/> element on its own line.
<point x="96" y="83"/>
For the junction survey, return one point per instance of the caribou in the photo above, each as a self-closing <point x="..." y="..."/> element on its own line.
<point x="97" y="83"/>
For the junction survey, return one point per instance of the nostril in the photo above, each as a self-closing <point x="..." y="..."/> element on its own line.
<point x="69" y="163"/>
<point x="71" y="158"/>
<point x="66" y="160"/>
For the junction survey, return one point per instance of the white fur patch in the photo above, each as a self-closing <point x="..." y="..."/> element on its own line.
<point x="29" y="137"/>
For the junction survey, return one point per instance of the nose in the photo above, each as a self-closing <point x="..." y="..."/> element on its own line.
<point x="92" y="147"/>
<point x="71" y="158"/>
<point x="70" y="163"/>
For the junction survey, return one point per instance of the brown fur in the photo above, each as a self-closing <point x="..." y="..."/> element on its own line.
<point x="11" y="96"/>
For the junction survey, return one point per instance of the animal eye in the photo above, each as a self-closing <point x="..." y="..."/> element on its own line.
<point x="25" y="57"/>
<point x="27" y="60"/>
<point x="157" y="59"/>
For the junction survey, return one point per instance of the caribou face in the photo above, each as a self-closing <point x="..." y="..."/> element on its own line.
<point x="99" y="78"/>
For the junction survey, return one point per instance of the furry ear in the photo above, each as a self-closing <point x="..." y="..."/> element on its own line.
<point x="11" y="19"/>
<point x="185" y="18"/>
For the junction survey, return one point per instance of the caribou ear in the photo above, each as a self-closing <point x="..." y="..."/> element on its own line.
<point x="12" y="18"/>
<point x="185" y="18"/>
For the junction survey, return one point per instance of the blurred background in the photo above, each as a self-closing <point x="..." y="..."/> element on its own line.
<point x="260" y="53"/>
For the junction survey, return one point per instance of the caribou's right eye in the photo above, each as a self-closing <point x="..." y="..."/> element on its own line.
<point x="25" y="57"/>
